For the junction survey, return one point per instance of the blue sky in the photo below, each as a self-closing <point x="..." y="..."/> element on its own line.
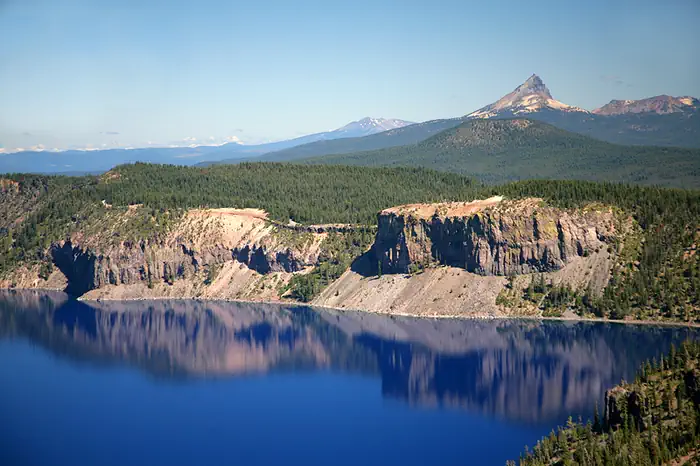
<point x="79" y="72"/>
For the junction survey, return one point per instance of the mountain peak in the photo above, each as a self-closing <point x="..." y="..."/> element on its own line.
<point x="531" y="96"/>
<point x="660" y="104"/>
<point x="370" y="125"/>
<point x="534" y="85"/>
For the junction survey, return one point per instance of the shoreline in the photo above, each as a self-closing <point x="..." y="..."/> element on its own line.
<point x="380" y="313"/>
<point x="403" y="314"/>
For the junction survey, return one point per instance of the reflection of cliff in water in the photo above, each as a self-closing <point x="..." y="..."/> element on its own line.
<point x="517" y="369"/>
<point x="182" y="338"/>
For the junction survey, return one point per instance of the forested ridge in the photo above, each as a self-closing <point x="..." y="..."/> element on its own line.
<point x="653" y="421"/>
<point x="602" y="131"/>
<point x="37" y="210"/>
<point x="497" y="151"/>
<point x="657" y="274"/>
<point x="338" y="194"/>
<point x="396" y="137"/>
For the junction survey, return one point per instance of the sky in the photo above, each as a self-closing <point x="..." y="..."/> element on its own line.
<point x="129" y="73"/>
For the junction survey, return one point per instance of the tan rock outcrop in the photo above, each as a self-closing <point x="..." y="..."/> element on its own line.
<point x="197" y="248"/>
<point x="492" y="237"/>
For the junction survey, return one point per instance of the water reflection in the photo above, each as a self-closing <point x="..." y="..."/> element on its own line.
<point x="523" y="370"/>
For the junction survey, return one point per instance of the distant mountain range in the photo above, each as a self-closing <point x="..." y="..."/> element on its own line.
<point x="655" y="121"/>
<point x="80" y="161"/>
<point x="395" y="137"/>
<point x="533" y="97"/>
<point x="498" y="150"/>
<point x="661" y="104"/>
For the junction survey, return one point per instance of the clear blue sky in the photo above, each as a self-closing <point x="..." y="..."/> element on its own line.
<point x="75" y="72"/>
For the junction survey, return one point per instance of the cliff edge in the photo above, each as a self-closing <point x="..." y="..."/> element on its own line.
<point x="488" y="237"/>
<point x="475" y="259"/>
<point x="478" y="258"/>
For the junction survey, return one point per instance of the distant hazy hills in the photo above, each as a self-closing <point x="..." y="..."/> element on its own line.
<point x="496" y="150"/>
<point x="395" y="137"/>
<point x="103" y="160"/>
<point x="655" y="121"/>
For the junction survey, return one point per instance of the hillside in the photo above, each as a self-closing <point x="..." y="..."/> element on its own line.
<point x="313" y="234"/>
<point x="653" y="420"/>
<point x="395" y="137"/>
<point x="638" y="129"/>
<point x="37" y="210"/>
<point x="495" y="151"/>
<point x="656" y="121"/>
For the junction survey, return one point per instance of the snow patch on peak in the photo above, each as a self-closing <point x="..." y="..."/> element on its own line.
<point x="531" y="96"/>
<point x="370" y="125"/>
<point x="533" y="85"/>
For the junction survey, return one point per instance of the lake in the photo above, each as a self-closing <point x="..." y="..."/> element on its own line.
<point x="214" y="383"/>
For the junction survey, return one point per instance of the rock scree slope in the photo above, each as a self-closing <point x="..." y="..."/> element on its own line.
<point x="441" y="259"/>
<point x="490" y="237"/>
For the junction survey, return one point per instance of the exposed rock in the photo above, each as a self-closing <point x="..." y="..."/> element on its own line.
<point x="621" y="402"/>
<point x="437" y="292"/>
<point x="129" y="263"/>
<point x="531" y="96"/>
<point x="204" y="240"/>
<point x="28" y="277"/>
<point x="263" y="260"/>
<point x="660" y="104"/>
<point x="7" y="185"/>
<point x="491" y="237"/>
<point x="240" y="254"/>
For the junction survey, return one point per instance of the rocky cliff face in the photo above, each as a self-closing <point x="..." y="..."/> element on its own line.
<point x="203" y="242"/>
<point x="491" y="237"/>
<point x="240" y="254"/>
<point x="129" y="263"/>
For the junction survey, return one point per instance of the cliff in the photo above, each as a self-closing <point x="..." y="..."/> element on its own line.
<point x="208" y="253"/>
<point x="479" y="258"/>
<point x="463" y="258"/>
<point x="490" y="237"/>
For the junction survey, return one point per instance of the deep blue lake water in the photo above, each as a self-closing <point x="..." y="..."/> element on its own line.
<point x="214" y="383"/>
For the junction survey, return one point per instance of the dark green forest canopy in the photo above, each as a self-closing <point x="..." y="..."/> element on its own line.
<point x="320" y="194"/>
<point x="653" y="421"/>
<point x="498" y="151"/>
<point x="335" y="194"/>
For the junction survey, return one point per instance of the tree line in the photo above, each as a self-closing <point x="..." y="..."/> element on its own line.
<point x="652" y="421"/>
<point x="657" y="275"/>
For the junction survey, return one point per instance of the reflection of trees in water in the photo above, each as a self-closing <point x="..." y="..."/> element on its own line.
<point x="518" y="369"/>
